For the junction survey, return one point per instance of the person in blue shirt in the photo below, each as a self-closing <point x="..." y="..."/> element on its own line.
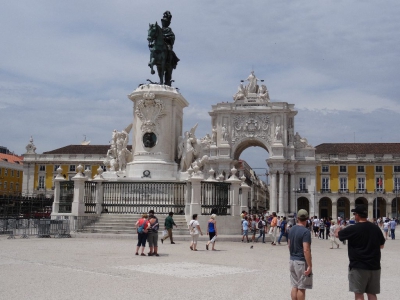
<point x="245" y="227"/>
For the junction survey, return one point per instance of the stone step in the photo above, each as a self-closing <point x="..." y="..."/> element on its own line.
<point x="125" y="224"/>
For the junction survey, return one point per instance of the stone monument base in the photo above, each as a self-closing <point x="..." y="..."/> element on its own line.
<point x="152" y="170"/>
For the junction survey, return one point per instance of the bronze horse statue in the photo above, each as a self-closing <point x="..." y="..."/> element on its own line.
<point x="160" y="55"/>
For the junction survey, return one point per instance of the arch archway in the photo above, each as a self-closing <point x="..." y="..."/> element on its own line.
<point x="303" y="203"/>
<point x="379" y="208"/>
<point x="361" y="201"/>
<point x="396" y="208"/>
<point x="252" y="163"/>
<point x="325" y="207"/>
<point x="343" y="208"/>
<point x="246" y="143"/>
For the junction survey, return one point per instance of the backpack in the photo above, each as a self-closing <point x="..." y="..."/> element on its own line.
<point x="260" y="224"/>
<point x="141" y="227"/>
<point x="283" y="226"/>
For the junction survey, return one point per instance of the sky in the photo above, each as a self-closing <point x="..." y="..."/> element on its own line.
<point x="66" y="67"/>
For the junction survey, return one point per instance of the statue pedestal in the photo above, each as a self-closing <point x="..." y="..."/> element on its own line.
<point x="157" y="126"/>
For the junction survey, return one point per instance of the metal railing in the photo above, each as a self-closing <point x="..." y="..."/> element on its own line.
<point x="89" y="197"/>
<point x="19" y="207"/>
<point x="140" y="197"/>
<point x="66" y="196"/>
<point x="215" y="198"/>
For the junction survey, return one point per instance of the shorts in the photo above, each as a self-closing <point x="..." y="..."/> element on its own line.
<point x="297" y="278"/>
<point x="315" y="229"/>
<point x="245" y="232"/>
<point x="152" y="239"/>
<point x="364" y="281"/>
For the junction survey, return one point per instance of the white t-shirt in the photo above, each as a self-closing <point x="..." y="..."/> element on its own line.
<point x="194" y="223"/>
<point x="386" y="225"/>
<point x="316" y="222"/>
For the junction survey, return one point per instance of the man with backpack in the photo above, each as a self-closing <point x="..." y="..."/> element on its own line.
<point x="261" y="227"/>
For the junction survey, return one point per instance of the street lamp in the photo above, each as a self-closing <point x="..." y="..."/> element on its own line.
<point x="295" y="201"/>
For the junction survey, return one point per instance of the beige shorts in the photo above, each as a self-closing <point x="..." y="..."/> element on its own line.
<point x="297" y="277"/>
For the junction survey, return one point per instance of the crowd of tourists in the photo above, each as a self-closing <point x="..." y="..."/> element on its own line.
<point x="365" y="240"/>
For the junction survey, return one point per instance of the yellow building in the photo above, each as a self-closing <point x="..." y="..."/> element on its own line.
<point x="41" y="169"/>
<point x="359" y="173"/>
<point x="10" y="174"/>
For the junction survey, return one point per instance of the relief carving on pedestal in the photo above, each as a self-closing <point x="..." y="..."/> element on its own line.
<point x="149" y="110"/>
<point x="251" y="125"/>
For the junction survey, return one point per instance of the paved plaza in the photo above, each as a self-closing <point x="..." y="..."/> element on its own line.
<point x="106" y="268"/>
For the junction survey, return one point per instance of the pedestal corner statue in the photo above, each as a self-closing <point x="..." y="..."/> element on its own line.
<point x="161" y="44"/>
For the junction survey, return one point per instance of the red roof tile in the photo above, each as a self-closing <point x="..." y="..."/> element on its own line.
<point x="11" y="158"/>
<point x="358" y="148"/>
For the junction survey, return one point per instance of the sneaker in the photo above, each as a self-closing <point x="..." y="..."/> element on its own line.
<point x="162" y="241"/>
<point x="136" y="253"/>
<point x="143" y="254"/>
<point x="172" y="242"/>
<point x="156" y="254"/>
<point x="206" y="246"/>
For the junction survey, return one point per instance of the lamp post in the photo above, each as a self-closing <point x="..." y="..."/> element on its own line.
<point x="295" y="202"/>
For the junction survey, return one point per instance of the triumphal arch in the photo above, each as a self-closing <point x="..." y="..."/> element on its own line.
<point x="252" y="119"/>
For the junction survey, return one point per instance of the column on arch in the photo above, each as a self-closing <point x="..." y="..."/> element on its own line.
<point x="283" y="181"/>
<point x="281" y="193"/>
<point x="273" y="204"/>
<point x="292" y="193"/>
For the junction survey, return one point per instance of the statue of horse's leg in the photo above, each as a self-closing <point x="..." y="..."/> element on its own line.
<point x="160" y="74"/>
<point x="151" y="65"/>
<point x="168" y="75"/>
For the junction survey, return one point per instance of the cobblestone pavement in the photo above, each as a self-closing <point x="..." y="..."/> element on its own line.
<point x="93" y="268"/>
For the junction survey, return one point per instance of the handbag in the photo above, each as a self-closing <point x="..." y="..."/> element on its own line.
<point x="164" y="233"/>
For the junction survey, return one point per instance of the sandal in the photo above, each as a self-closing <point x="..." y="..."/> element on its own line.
<point x="156" y="254"/>
<point x="191" y="248"/>
<point x="136" y="253"/>
<point x="143" y="254"/>
<point x="207" y="247"/>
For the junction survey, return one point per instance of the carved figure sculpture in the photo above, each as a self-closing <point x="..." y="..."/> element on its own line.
<point x="263" y="92"/>
<point x="161" y="42"/>
<point x="240" y="94"/>
<point x="214" y="135"/>
<point x="225" y="134"/>
<point x="118" y="155"/>
<point x="252" y="86"/>
<point x="278" y="134"/>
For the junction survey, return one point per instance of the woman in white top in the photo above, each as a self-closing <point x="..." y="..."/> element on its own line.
<point x="386" y="228"/>
<point x="194" y="229"/>
<point x="332" y="234"/>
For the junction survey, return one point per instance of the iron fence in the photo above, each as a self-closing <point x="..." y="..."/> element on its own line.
<point x="66" y="196"/>
<point x="89" y="197"/>
<point x="215" y="198"/>
<point x="21" y="207"/>
<point x="140" y="197"/>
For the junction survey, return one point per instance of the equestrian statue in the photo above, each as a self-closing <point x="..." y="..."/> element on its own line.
<point x="161" y="43"/>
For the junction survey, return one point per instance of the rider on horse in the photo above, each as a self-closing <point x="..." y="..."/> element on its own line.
<point x="169" y="38"/>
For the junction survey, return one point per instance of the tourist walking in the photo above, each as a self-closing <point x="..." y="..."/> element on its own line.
<point x="195" y="230"/>
<point x="261" y="226"/>
<point x="245" y="229"/>
<point x="386" y="228"/>
<point x="365" y="241"/>
<point x="141" y="228"/>
<point x="169" y="224"/>
<point x="283" y="230"/>
<point x="212" y="231"/>
<point x="328" y="228"/>
<point x="316" y="226"/>
<point x="300" y="264"/>
<point x="332" y="234"/>
<point x="152" y="234"/>
<point x="274" y="228"/>
<point x="253" y="228"/>
<point x="392" y="225"/>
<point x="321" y="229"/>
